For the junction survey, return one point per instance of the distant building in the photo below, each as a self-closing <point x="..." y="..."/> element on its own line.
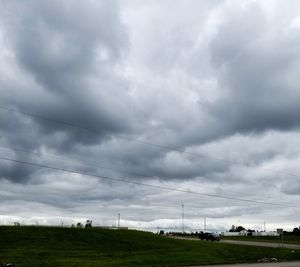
<point x="245" y="233"/>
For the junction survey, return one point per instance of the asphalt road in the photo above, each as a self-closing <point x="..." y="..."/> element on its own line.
<point x="262" y="244"/>
<point x="272" y="264"/>
<point x="249" y="243"/>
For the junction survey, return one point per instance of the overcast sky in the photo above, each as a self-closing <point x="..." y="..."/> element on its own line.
<point x="199" y="96"/>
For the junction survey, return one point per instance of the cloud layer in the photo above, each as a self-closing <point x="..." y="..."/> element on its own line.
<point x="107" y="88"/>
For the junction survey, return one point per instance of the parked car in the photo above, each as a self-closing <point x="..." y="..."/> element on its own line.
<point x="209" y="236"/>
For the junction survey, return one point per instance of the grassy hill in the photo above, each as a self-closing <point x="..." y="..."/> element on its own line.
<point x="54" y="246"/>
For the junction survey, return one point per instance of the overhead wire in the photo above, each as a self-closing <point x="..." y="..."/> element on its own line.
<point x="74" y="161"/>
<point x="140" y="183"/>
<point x="88" y="165"/>
<point x="128" y="139"/>
<point x="166" y="148"/>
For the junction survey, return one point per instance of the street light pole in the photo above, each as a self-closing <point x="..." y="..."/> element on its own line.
<point x="182" y="217"/>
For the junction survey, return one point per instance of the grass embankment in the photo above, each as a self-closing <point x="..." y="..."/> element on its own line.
<point x="287" y="239"/>
<point x="51" y="246"/>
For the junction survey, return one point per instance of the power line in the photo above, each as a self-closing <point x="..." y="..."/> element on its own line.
<point x="66" y="160"/>
<point x="94" y="166"/>
<point x="126" y="138"/>
<point x="140" y="183"/>
<point x="90" y="165"/>
<point x="166" y="148"/>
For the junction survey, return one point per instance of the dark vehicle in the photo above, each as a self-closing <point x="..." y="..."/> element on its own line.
<point x="209" y="236"/>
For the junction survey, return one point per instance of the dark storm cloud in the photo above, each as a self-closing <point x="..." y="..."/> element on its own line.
<point x="16" y="131"/>
<point x="15" y="172"/>
<point x="256" y="63"/>
<point x="72" y="53"/>
<point x="66" y="55"/>
<point x="70" y="49"/>
<point x="244" y="60"/>
<point x="212" y="78"/>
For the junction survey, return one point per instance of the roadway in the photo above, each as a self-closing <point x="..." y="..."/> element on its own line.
<point x="269" y="264"/>
<point x="248" y="243"/>
<point x="262" y="244"/>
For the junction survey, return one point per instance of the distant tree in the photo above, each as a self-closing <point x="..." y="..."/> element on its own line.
<point x="232" y="229"/>
<point x="236" y="228"/>
<point x="88" y="223"/>
<point x="240" y="228"/>
<point x="79" y="225"/>
<point x="296" y="231"/>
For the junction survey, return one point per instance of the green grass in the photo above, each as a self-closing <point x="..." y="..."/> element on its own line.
<point x="287" y="239"/>
<point x="53" y="246"/>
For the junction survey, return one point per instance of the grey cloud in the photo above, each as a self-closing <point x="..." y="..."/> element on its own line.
<point x="255" y="62"/>
<point x="204" y="78"/>
<point x="291" y="187"/>
<point x="62" y="41"/>
<point x="71" y="50"/>
<point x="15" y="172"/>
<point x="238" y="112"/>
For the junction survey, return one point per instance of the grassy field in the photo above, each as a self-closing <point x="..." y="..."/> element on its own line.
<point x="53" y="246"/>
<point x="288" y="239"/>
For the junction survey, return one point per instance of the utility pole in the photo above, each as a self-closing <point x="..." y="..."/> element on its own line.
<point x="204" y="226"/>
<point x="119" y="215"/>
<point x="264" y="226"/>
<point x="182" y="217"/>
